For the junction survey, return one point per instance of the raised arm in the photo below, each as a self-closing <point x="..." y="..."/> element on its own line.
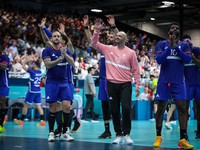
<point x="87" y="31"/>
<point x="111" y="21"/>
<point x="24" y="64"/>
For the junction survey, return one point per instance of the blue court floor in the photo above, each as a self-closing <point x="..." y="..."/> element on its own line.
<point x="143" y="133"/>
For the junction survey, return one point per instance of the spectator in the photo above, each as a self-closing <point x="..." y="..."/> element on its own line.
<point x="40" y="48"/>
<point x="31" y="50"/>
<point x="144" y="96"/>
<point x="13" y="48"/>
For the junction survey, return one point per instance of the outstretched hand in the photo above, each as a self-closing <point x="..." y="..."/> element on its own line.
<point x="111" y="20"/>
<point x="42" y="24"/>
<point x="85" y="20"/>
<point x="98" y="24"/>
<point x="61" y="29"/>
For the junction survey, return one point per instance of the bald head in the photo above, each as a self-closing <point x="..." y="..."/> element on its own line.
<point x="121" y="37"/>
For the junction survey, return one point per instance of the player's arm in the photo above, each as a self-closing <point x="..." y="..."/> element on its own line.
<point x="111" y="21"/>
<point x="24" y="64"/>
<point x="50" y="64"/>
<point x="162" y="52"/>
<point x="196" y="60"/>
<point x="3" y="65"/>
<point x="69" y="59"/>
<point x="184" y="55"/>
<point x="91" y="89"/>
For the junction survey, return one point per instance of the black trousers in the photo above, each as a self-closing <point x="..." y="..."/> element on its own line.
<point x="89" y="105"/>
<point x="120" y="93"/>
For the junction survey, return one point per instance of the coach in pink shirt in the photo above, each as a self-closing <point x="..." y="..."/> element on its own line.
<point x="121" y="63"/>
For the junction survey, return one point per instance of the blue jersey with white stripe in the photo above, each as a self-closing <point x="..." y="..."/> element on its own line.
<point x="34" y="81"/>
<point x="71" y="70"/>
<point x="191" y="71"/>
<point x="172" y="69"/>
<point x="58" y="73"/>
<point x="102" y="67"/>
<point x="4" y="77"/>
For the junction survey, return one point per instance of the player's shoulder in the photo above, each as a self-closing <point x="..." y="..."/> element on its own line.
<point x="163" y="42"/>
<point x="196" y="48"/>
<point x="183" y="43"/>
<point x="47" y="49"/>
<point x="4" y="56"/>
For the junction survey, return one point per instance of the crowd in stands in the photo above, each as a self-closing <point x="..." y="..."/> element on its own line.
<point x="20" y="35"/>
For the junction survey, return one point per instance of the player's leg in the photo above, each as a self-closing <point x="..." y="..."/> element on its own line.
<point x="2" y="113"/>
<point x="88" y="105"/>
<point x="59" y="122"/>
<point x="198" y="118"/>
<point x="169" y="114"/>
<point x="37" y="102"/>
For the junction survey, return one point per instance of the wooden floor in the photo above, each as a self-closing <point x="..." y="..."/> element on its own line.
<point x="143" y="133"/>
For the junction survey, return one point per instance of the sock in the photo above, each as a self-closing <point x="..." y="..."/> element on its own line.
<point x="66" y="121"/>
<point x="2" y="116"/>
<point x="75" y="118"/>
<point x="107" y="127"/>
<point x="22" y="117"/>
<point x="198" y="128"/>
<point x="182" y="133"/>
<point x="41" y="117"/>
<point x="158" y="130"/>
<point x="70" y="119"/>
<point x="51" y="120"/>
<point x="59" y="120"/>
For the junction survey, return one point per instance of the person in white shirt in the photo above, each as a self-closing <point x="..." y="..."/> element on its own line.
<point x="144" y="96"/>
<point x="40" y="48"/>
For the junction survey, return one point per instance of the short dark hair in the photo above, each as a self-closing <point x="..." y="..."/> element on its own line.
<point x="152" y="76"/>
<point x="64" y="38"/>
<point x="89" y="69"/>
<point x="37" y="64"/>
<point x="174" y="23"/>
<point x="185" y="37"/>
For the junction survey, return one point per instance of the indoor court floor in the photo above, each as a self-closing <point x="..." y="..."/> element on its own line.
<point x="143" y="133"/>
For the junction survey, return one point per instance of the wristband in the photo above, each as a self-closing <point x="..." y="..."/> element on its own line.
<point x="86" y="27"/>
<point x="113" y="27"/>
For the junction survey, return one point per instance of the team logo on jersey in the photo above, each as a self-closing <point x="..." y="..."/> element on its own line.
<point x="117" y="60"/>
<point x="157" y="95"/>
<point x="48" y="97"/>
<point x="53" y="55"/>
<point x="111" y="53"/>
<point x="166" y="47"/>
<point x="124" y="55"/>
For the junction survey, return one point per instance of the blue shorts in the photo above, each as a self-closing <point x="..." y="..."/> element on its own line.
<point x="103" y="90"/>
<point x="4" y="91"/>
<point x="71" y="86"/>
<point x="165" y="90"/>
<point x="33" y="97"/>
<point x="193" y="92"/>
<point x="56" y="92"/>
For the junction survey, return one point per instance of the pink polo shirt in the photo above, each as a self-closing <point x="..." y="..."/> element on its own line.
<point x="120" y="63"/>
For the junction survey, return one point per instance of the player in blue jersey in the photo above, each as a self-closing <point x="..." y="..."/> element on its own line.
<point x="192" y="79"/>
<point x="103" y="88"/>
<point x="4" y="86"/>
<point x="172" y="55"/>
<point x="34" y="92"/>
<point x="57" y="86"/>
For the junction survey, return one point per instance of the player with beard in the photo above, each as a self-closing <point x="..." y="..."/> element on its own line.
<point x="172" y="55"/>
<point x="57" y="86"/>
<point x="103" y="88"/>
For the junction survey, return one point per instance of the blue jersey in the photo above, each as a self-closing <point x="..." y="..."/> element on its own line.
<point x="34" y="82"/>
<point x="4" y="77"/>
<point x="58" y="73"/>
<point x="71" y="70"/>
<point x="172" y="69"/>
<point x="191" y="71"/>
<point x="102" y="67"/>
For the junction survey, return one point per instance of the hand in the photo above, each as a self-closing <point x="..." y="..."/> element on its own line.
<point x="111" y="20"/>
<point x="98" y="24"/>
<point x="63" y="51"/>
<point x="42" y="24"/>
<point x="61" y="29"/>
<point x="50" y="27"/>
<point x="137" y="91"/>
<point x="85" y="20"/>
<point x="173" y="40"/>
<point x="94" y="94"/>
<point x="27" y="59"/>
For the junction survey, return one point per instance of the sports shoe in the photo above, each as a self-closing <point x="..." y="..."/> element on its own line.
<point x="2" y="130"/>
<point x="51" y="137"/>
<point x="127" y="139"/>
<point x="84" y="120"/>
<point x="41" y="123"/>
<point x="105" y="135"/>
<point x="66" y="137"/>
<point x="18" y="121"/>
<point x="68" y="131"/>
<point x="5" y="119"/>
<point x="197" y="136"/>
<point x="183" y="144"/>
<point x="117" y="139"/>
<point x="158" y="141"/>
<point x="94" y="120"/>
<point x="168" y="126"/>
<point x="76" y="127"/>
<point x="57" y="133"/>
<point x="153" y="119"/>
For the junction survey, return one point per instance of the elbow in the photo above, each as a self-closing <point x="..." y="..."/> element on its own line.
<point x="159" y="61"/>
<point x="187" y="61"/>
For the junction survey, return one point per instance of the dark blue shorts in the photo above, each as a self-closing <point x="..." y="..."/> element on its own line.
<point x="165" y="90"/>
<point x="4" y="91"/>
<point x="71" y="86"/>
<point x="193" y="92"/>
<point x="103" y="90"/>
<point x="56" y="92"/>
<point x="33" y="97"/>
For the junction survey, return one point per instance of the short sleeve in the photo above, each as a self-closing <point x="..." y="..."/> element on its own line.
<point x="45" y="54"/>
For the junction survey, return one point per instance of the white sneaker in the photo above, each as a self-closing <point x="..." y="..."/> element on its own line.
<point x="84" y="120"/>
<point x="51" y="137"/>
<point x="127" y="139"/>
<point x="168" y="126"/>
<point x="68" y="131"/>
<point x="66" y="137"/>
<point x="117" y="140"/>
<point x="94" y="120"/>
<point x="153" y="119"/>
